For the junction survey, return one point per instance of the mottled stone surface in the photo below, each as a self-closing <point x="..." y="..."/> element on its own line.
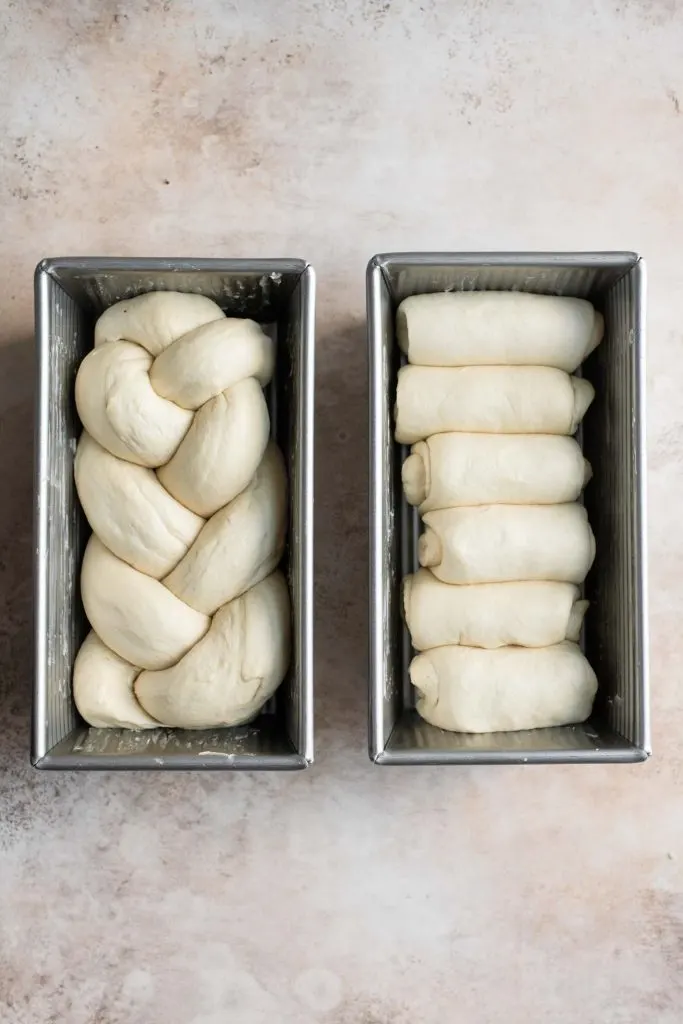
<point x="347" y="894"/>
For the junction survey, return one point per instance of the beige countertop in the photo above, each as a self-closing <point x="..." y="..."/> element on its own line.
<point x="347" y="894"/>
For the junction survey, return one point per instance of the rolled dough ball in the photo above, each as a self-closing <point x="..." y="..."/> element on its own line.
<point x="497" y="329"/>
<point x="135" y="615"/>
<point x="156" y="319"/>
<point x="119" y="407"/>
<point x="528" y="614"/>
<point x="132" y="514"/>
<point x="500" y="543"/>
<point x="465" y="689"/>
<point x="211" y="359"/>
<point x="240" y="545"/>
<point x="103" y="688"/>
<point x="488" y="399"/>
<point x="448" y="470"/>
<point x="228" y="676"/>
<point x="220" y="452"/>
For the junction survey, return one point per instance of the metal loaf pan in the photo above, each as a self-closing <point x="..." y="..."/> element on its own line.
<point x="69" y="295"/>
<point x="615" y="634"/>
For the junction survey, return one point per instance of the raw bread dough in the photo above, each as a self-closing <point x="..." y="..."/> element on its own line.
<point x="119" y="407"/>
<point x="233" y="670"/>
<point x="497" y="328"/>
<point x="174" y="385"/>
<point x="472" y="690"/>
<point x="528" y="614"/>
<point x="103" y="688"/>
<point x="139" y="410"/>
<point x="488" y="399"/>
<point x="221" y="451"/>
<point x="448" y="470"/>
<point x="499" y="543"/>
<point x="467" y="689"/>
<point x="211" y="359"/>
<point x="239" y="545"/>
<point x="131" y="513"/>
<point x="487" y="396"/>
<point x="135" y="615"/>
<point x="156" y="319"/>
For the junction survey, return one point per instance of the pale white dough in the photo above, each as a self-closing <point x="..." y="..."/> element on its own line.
<point x="527" y="614"/>
<point x="156" y="319"/>
<point x="211" y="359"/>
<point x="500" y="543"/>
<point x="448" y="470"/>
<point x="240" y="544"/>
<point x="173" y="385"/>
<point x="497" y="328"/>
<point x="220" y="452"/>
<point x="135" y="615"/>
<point x="227" y="677"/>
<point x="488" y="399"/>
<point x="467" y="689"/>
<point x="119" y="407"/>
<point x="103" y="688"/>
<point x="131" y="513"/>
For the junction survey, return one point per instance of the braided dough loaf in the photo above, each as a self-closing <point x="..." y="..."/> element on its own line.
<point x="187" y="499"/>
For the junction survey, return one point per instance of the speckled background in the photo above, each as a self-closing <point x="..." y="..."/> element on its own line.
<point x="332" y="130"/>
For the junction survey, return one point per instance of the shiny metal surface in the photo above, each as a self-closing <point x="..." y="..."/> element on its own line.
<point x="615" y="634"/>
<point x="69" y="295"/>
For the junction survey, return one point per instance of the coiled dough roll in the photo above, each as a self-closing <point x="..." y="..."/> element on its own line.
<point x="526" y="614"/>
<point x="466" y="689"/>
<point x="497" y="328"/>
<point x="448" y="470"/>
<point x="500" y="543"/>
<point x="488" y="399"/>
